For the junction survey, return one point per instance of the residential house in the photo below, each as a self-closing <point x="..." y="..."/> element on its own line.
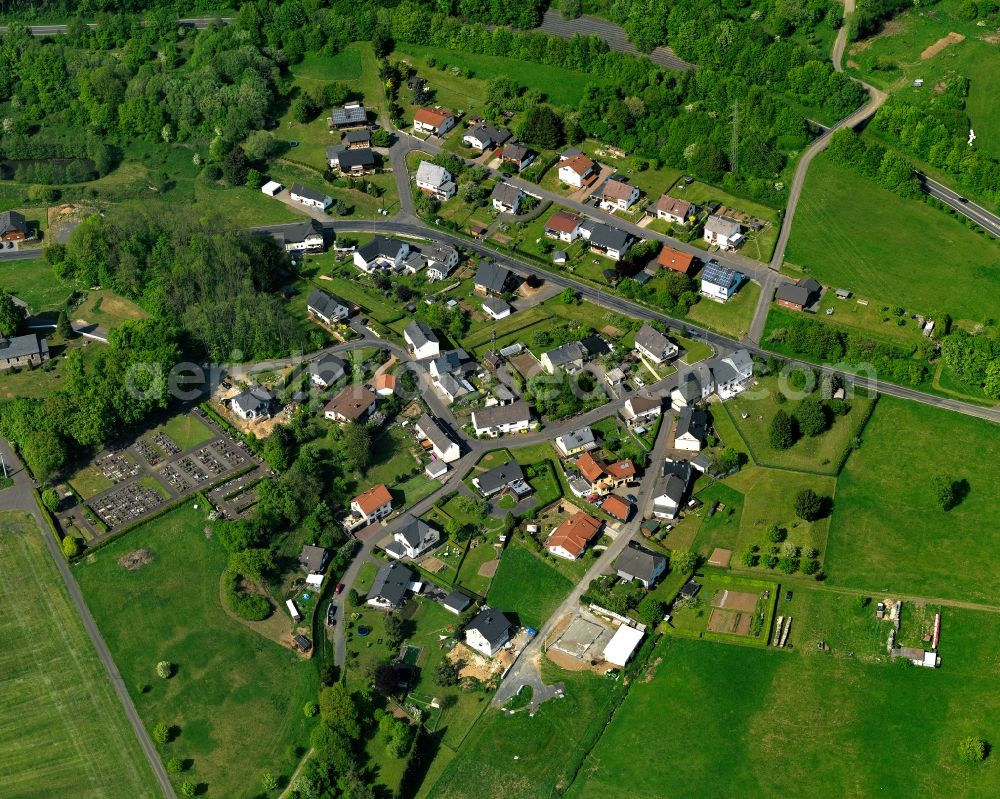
<point x="351" y="115"/>
<point x="674" y="479"/>
<point x="421" y="341"/>
<point x="569" y="357"/>
<point x="373" y="504"/>
<point x="616" y="507"/>
<point x="453" y="386"/>
<point x="484" y="137"/>
<point x="576" y="441"/>
<point x="601" y="478"/>
<point x="674" y="210"/>
<point x="491" y="279"/>
<point x="606" y="240"/>
<point x="354" y="403"/>
<point x="327" y="307"/>
<point x="675" y="260"/>
<point x="435" y="180"/>
<point x="448" y="362"/>
<point x="691" y="430"/>
<point x="441" y="259"/>
<point x="305" y="236"/>
<point x="570" y="539"/>
<point x="641" y="409"/>
<point x="518" y="155"/>
<point x="435" y="121"/>
<point x="13" y="226"/>
<point x="414" y="262"/>
<point x="563" y="226"/>
<point x="442" y="445"/>
<point x="413" y="538"/>
<point x="501" y="419"/>
<point x="384" y="384"/>
<point x="506" y="198"/>
<point x="360" y="139"/>
<point x="252" y="405"/>
<point x="731" y="373"/>
<point x="488" y="632"/>
<point x="652" y="344"/>
<point x="391" y="584"/>
<point x="310" y="197"/>
<point x="723" y="231"/>
<point x="638" y="563"/>
<point x="720" y="283"/>
<point x="596" y="347"/>
<point x="618" y="194"/>
<point x="506" y="477"/>
<point x="347" y="161"/>
<point x="313" y="559"/>
<point x="327" y="370"/>
<point x="19" y="351"/>
<point x="576" y="170"/>
<point x="798" y="296"/>
<point x="614" y="377"/>
<point x="381" y="253"/>
<point x="496" y="308"/>
<point x="696" y="386"/>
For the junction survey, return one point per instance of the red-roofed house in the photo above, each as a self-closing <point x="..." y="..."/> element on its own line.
<point x="674" y="210"/>
<point x="436" y="121"/>
<point x="675" y="260"/>
<point x="373" y="504"/>
<point x="384" y="384"/>
<point x="618" y="195"/>
<point x="616" y="507"/>
<point x="577" y="170"/>
<point x="570" y="539"/>
<point x="563" y="226"/>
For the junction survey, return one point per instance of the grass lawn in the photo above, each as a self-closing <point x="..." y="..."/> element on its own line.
<point x="744" y="711"/>
<point x="694" y="351"/>
<point x="43" y="381"/>
<point x="850" y="233"/>
<point x="560" y="86"/>
<point x="975" y="59"/>
<point x="887" y="528"/>
<point x="731" y="318"/>
<point x="235" y="695"/>
<point x="89" y="481"/>
<point x="185" y="430"/>
<point x="509" y="592"/>
<point x="468" y="574"/>
<point x="107" y="309"/>
<point x="34" y="282"/>
<point x="64" y="731"/>
<point x="821" y="453"/>
<point x="548" y="746"/>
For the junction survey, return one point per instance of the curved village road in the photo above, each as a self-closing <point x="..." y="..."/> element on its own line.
<point x="21" y="496"/>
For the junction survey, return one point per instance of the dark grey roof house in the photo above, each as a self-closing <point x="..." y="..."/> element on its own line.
<point x="327" y="370"/>
<point x="491" y="278"/>
<point x="11" y="222"/>
<point x="392" y="581"/>
<point x="351" y="115"/>
<point x="508" y="474"/>
<point x="638" y="563"/>
<point x="327" y="306"/>
<point x="313" y="558"/>
<point x="457" y="602"/>
<point x="23" y="350"/>
<point x="489" y="631"/>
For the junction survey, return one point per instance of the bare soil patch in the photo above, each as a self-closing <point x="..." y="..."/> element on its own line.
<point x="136" y="560"/>
<point x="489" y="569"/>
<point x="432" y="564"/>
<point x="940" y="44"/>
<point x="735" y="600"/>
<point x="723" y="621"/>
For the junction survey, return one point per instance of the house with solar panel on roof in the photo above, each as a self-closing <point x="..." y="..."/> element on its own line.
<point x="719" y="282"/>
<point x="351" y="115"/>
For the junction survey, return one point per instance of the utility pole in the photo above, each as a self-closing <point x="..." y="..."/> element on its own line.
<point x="734" y="152"/>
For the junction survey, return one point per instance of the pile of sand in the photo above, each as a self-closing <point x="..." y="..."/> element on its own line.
<point x="136" y="560"/>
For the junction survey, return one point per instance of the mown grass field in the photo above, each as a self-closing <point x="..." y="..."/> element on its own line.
<point x="887" y="528"/>
<point x="63" y="731"/>
<point x="820" y="453"/>
<point x="33" y="282"/>
<point x="235" y="697"/>
<point x="731" y="318"/>
<point x="526" y="586"/>
<point x="531" y="757"/>
<point x="738" y="721"/>
<point x="850" y="233"/>
<point x="184" y="429"/>
<point x="975" y="58"/>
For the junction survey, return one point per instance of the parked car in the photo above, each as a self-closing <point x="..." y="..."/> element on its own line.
<point x="339" y="589"/>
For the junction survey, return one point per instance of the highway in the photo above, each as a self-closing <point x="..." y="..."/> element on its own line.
<point x="986" y="220"/>
<point x="187" y="22"/>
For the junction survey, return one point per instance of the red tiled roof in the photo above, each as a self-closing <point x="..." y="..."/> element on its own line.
<point x="385" y="382"/>
<point x="670" y="205"/>
<point x="617" y="189"/>
<point x="590" y="467"/>
<point x="431" y="116"/>
<point x="678" y="261"/>
<point x="621" y="469"/>
<point x="579" y="164"/>
<point x="574" y="533"/>
<point x="351" y="403"/>
<point x="562" y="222"/>
<point x="615" y="506"/>
<point x="373" y="499"/>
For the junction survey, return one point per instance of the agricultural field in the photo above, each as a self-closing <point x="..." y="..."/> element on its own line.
<point x="887" y="526"/>
<point x="765" y="723"/>
<point x="850" y="233"/>
<point x="532" y="757"/>
<point x="731" y="318"/>
<point x="64" y="731"/>
<point x="903" y="51"/>
<point x="822" y="453"/>
<point x="235" y="696"/>
<point x="519" y="568"/>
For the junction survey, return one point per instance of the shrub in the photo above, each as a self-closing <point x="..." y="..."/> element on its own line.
<point x="175" y="765"/>
<point x="310" y="709"/>
<point x="188" y="788"/>
<point x="809" y="505"/>
<point x="70" y="547"/>
<point x="161" y="733"/>
<point x="268" y="781"/>
<point x="810" y="566"/>
<point x="164" y="669"/>
<point x="776" y="534"/>
<point x="972" y="750"/>
<point x="782" y="432"/>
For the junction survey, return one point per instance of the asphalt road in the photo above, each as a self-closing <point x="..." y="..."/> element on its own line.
<point x="19" y="255"/>
<point x="21" y="496"/>
<point x="985" y="219"/>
